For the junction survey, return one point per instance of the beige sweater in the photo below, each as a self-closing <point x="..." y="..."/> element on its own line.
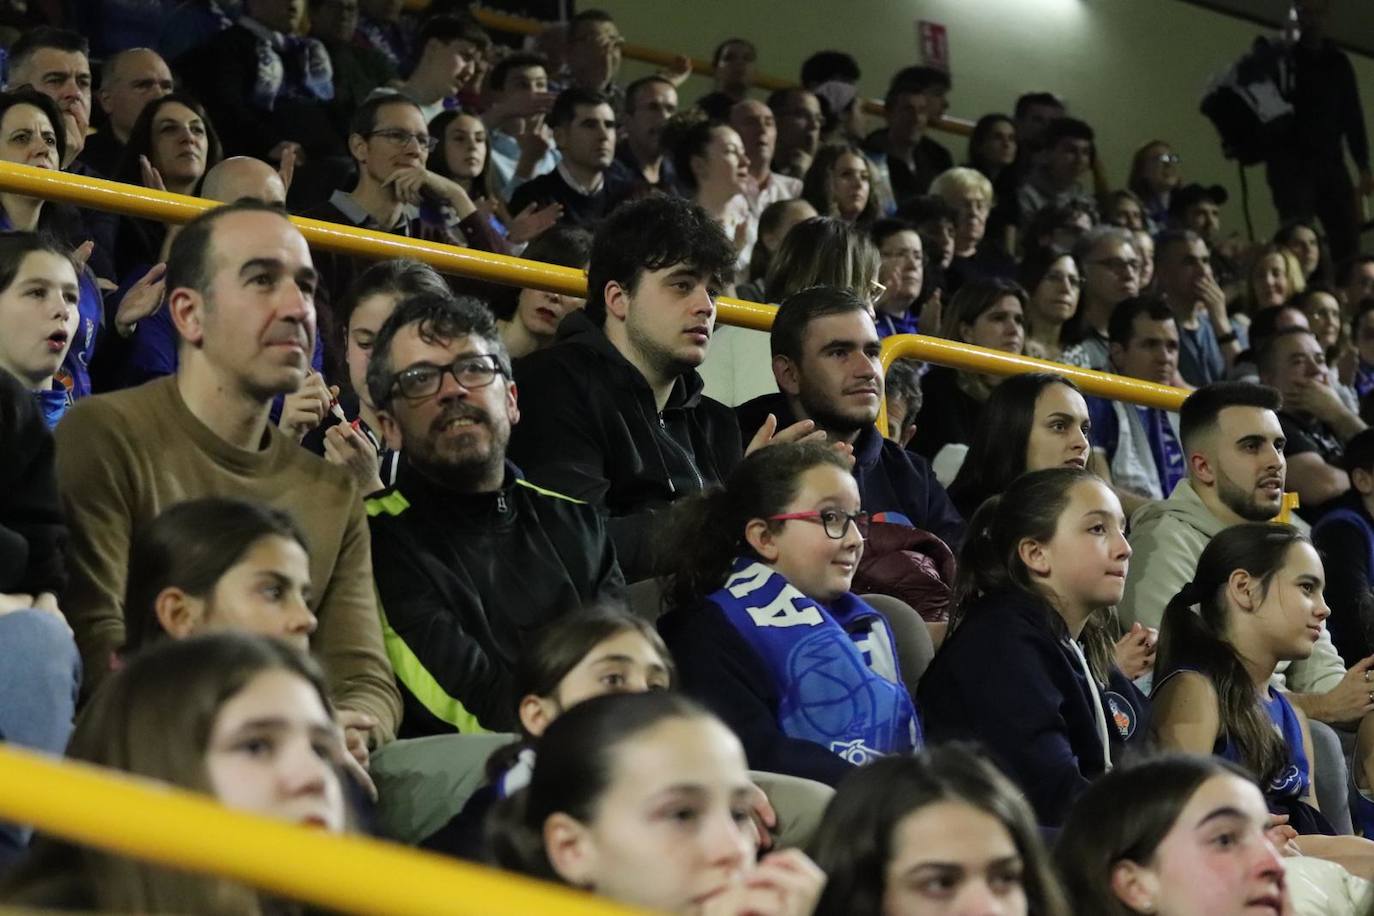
<point x="124" y="457"/>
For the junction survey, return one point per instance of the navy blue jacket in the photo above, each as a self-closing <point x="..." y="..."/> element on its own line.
<point x="892" y="481"/>
<point x="1006" y="680"/>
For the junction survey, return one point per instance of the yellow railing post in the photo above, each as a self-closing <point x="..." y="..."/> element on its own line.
<point x="168" y="826"/>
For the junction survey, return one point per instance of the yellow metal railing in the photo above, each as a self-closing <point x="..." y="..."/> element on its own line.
<point x="172" y="827"/>
<point x="164" y="206"/>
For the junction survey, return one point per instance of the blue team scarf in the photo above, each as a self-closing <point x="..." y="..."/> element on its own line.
<point x="835" y="671"/>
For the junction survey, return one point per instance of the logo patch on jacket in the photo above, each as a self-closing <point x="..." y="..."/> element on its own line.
<point x="1121" y="713"/>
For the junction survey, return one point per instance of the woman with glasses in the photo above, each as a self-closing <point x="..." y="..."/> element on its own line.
<point x="764" y="627"/>
<point x="1154" y="176"/>
<point x="1052" y="283"/>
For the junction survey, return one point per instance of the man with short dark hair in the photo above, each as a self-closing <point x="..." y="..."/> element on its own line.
<point x="592" y="54"/>
<point x="799" y="119"/>
<point x="395" y="192"/>
<point x="1198" y="209"/>
<point x="583" y="124"/>
<point x="1033" y="113"/>
<point x="907" y="159"/>
<point x="639" y="156"/>
<point x="614" y="412"/>
<point x="449" y="50"/>
<point x="240" y="290"/>
<point x="1137" y="449"/>
<point x="1056" y="176"/>
<point x="1345" y="538"/>
<point x="1208" y="343"/>
<point x="358" y="70"/>
<point x="518" y="98"/>
<point x="469" y="557"/>
<point x="1356" y="281"/>
<point x="732" y="64"/>
<point x="128" y="81"/>
<point x="1316" y="423"/>
<point x="825" y="360"/>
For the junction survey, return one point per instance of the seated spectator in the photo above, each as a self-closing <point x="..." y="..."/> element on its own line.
<point x="838" y="184"/>
<point x="1031" y="422"/>
<point x="641" y="156"/>
<point x="985" y="313"/>
<point x="588" y="817"/>
<point x="901" y="275"/>
<point x="1044" y="559"/>
<point x="799" y="118"/>
<point x="1052" y="283"/>
<point x="992" y="151"/>
<point x="834" y="78"/>
<point x="1344" y="537"/>
<point x="469" y="556"/>
<point x="150" y="349"/>
<point x="1034" y="113"/>
<point x="267" y="89"/>
<point x="1145" y="247"/>
<point x="1322" y="306"/>
<point x="785" y="535"/>
<point x="733" y="68"/>
<point x="170" y="148"/>
<point x="1058" y="228"/>
<point x="395" y="191"/>
<point x="1362" y="336"/>
<point x="1316" y="423"/>
<point x="934" y="221"/>
<point x="775" y="223"/>
<point x="1356" y="280"/>
<point x="619" y="392"/>
<point x="38" y="317"/>
<point x="825" y="361"/>
<point x="946" y="814"/>
<point x="355" y="440"/>
<point x="449" y="48"/>
<point x="1146" y="839"/>
<point x="182" y="714"/>
<point x="969" y="192"/>
<point x="205" y="431"/>
<point x="128" y="81"/>
<point x="1257" y="590"/>
<point x="902" y="151"/>
<point x="1198" y="209"/>
<point x="1153" y="179"/>
<point x="1305" y="243"/>
<point x="1110" y="267"/>
<point x="358" y="70"/>
<point x="463" y="156"/>
<point x="757" y="128"/>
<point x="518" y="98"/>
<point x="713" y="170"/>
<point x="1121" y="208"/>
<point x="1265" y="325"/>
<point x="40" y="669"/>
<point x="528" y="319"/>
<point x="583" y="125"/>
<point x="903" y="387"/>
<point x="1208" y="342"/>
<point x="1274" y="276"/>
<point x="381" y="28"/>
<point x="1138" y="449"/>
<point x="592" y="54"/>
<point x="816" y="252"/>
<point x="1065" y="160"/>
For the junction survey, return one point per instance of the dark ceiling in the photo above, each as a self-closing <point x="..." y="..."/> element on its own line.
<point x="1352" y="21"/>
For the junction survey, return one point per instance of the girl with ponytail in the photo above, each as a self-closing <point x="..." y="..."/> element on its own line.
<point x="645" y="798"/>
<point x="1027" y="668"/>
<point x="1255" y="600"/>
<point x="764" y="628"/>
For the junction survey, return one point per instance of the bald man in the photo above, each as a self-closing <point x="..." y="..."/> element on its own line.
<point x="243" y="176"/>
<point x="128" y="81"/>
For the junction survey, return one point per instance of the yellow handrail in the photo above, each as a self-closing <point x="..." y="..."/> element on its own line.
<point x="173" y="827"/>
<point x="523" y="25"/>
<point x="164" y="206"/>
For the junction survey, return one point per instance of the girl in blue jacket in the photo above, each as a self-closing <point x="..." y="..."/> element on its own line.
<point x="1027" y="668"/>
<point x="764" y="628"/>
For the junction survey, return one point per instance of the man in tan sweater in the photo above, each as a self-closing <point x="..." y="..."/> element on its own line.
<point x="240" y="291"/>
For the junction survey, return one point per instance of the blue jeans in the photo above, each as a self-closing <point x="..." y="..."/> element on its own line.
<point x="40" y="673"/>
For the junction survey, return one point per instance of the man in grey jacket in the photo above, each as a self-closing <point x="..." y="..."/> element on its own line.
<point x="1233" y="446"/>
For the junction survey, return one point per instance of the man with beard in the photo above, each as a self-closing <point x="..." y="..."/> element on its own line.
<point x="799" y="120"/>
<point x="240" y="292"/>
<point x="825" y="360"/>
<point x="1233" y="446"/>
<point x="470" y="558"/>
<point x="1208" y="343"/>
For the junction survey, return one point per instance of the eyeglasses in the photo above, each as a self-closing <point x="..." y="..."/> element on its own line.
<point x="423" y="380"/>
<point x="403" y="137"/>
<point x="1072" y="280"/>
<point x="1119" y="265"/>
<point x="835" y="521"/>
<point x="1169" y="158"/>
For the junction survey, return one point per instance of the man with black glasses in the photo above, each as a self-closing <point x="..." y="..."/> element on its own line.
<point x="469" y="557"/>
